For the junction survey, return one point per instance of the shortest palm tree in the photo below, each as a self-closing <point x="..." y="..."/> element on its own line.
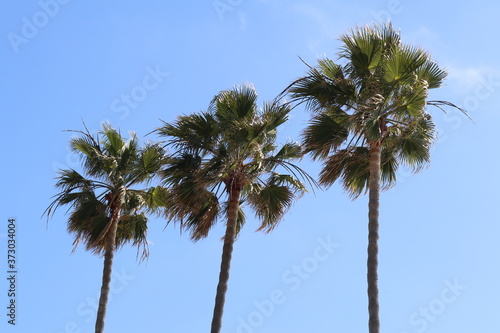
<point x="106" y="211"/>
<point x="224" y="158"/>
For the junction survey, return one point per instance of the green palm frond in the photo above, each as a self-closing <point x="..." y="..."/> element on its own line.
<point x="403" y="64"/>
<point x="363" y="50"/>
<point x="353" y="169"/>
<point x="194" y="206"/>
<point x="330" y="70"/>
<point x="320" y="91"/>
<point x="88" y="222"/>
<point x="414" y="143"/>
<point x="154" y="199"/>
<point x="432" y="74"/>
<point x="272" y="199"/>
<point x="195" y="132"/>
<point x="349" y="165"/>
<point x="270" y="204"/>
<point x="235" y="104"/>
<point x="89" y="151"/>
<point x="292" y="183"/>
<point x="146" y="164"/>
<point x="289" y="151"/>
<point x="133" y="228"/>
<point x="325" y="133"/>
<point x="179" y="167"/>
<point x="113" y="142"/>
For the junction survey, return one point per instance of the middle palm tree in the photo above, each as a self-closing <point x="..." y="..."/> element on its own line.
<point x="223" y="158"/>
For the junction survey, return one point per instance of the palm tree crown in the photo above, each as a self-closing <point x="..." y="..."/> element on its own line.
<point x="230" y="146"/>
<point x="377" y="96"/>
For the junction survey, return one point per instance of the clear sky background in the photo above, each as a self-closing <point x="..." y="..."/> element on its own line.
<point x="439" y="248"/>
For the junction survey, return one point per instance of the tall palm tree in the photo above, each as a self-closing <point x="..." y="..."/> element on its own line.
<point x="224" y="158"/>
<point x="368" y="117"/>
<point x="107" y="211"/>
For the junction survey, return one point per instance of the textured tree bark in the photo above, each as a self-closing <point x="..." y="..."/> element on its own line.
<point x="373" y="236"/>
<point x="227" y="252"/>
<point x="108" y="263"/>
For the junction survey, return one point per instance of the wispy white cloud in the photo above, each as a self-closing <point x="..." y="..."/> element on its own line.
<point x="326" y="30"/>
<point x="243" y="20"/>
<point x="421" y="36"/>
<point x="469" y="78"/>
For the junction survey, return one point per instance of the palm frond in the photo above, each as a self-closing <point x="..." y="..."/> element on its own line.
<point x="325" y="133"/>
<point x="270" y="204"/>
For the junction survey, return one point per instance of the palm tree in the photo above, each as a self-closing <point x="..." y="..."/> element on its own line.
<point x="368" y="118"/>
<point x="107" y="211"/>
<point x="224" y="158"/>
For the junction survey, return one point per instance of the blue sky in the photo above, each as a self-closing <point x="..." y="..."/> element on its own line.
<point x="132" y="63"/>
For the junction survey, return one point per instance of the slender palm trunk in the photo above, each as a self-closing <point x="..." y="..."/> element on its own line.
<point x="227" y="252"/>
<point x="108" y="263"/>
<point x="373" y="226"/>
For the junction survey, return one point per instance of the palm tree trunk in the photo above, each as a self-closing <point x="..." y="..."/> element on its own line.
<point x="373" y="226"/>
<point x="108" y="263"/>
<point x="227" y="252"/>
